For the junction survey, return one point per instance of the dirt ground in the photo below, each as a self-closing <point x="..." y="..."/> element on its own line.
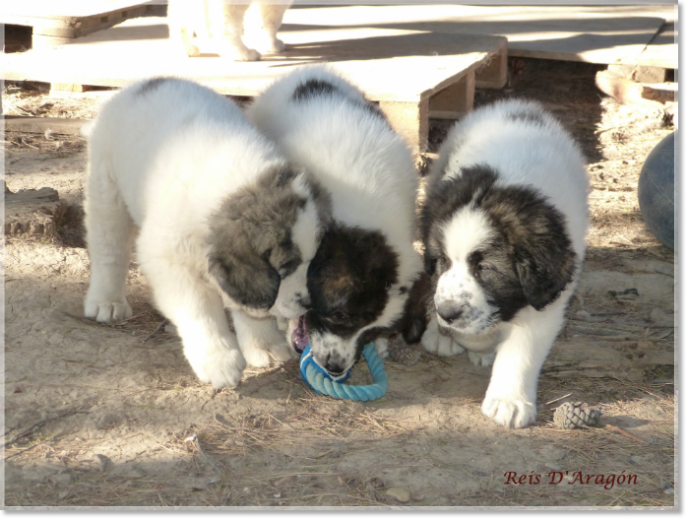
<point x="111" y="416"/>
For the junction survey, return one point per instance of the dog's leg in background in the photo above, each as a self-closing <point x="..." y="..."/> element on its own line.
<point x="511" y="396"/>
<point x="109" y="235"/>
<point x="271" y="16"/>
<point x="180" y="18"/>
<point x="438" y="342"/>
<point x="228" y="31"/>
<point x="260" y="338"/>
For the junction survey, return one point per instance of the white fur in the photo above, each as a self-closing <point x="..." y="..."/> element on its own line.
<point x="220" y="24"/>
<point x="365" y="167"/>
<point x="162" y="163"/>
<point x="546" y="158"/>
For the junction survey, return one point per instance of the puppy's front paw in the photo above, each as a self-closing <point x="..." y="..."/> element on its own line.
<point x="434" y="342"/>
<point x="107" y="312"/>
<point x="481" y="358"/>
<point x="382" y="347"/>
<point x="272" y="45"/>
<point x="221" y="367"/>
<point x="509" y="411"/>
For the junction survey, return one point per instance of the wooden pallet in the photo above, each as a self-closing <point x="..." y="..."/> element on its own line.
<point x="413" y="75"/>
<point x="61" y="22"/>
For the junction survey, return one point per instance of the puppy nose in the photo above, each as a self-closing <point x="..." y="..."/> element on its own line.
<point x="449" y="312"/>
<point x="333" y="366"/>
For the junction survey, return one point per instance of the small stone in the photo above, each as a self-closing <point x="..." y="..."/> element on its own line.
<point x="553" y="466"/>
<point x="669" y="491"/>
<point x="418" y="496"/>
<point x="171" y="329"/>
<point x="17" y="390"/>
<point x="583" y="315"/>
<point x="103" y="462"/>
<point x="664" y="485"/>
<point x="399" y="494"/>
<point x="659" y="316"/>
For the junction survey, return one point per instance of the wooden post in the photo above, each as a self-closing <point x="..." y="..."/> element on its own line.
<point x="410" y="120"/>
<point x="493" y="75"/>
<point x="454" y="101"/>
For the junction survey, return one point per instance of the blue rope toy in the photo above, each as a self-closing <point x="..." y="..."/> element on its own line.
<point x="322" y="382"/>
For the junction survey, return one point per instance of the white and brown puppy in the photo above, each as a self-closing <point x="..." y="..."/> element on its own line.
<point x="222" y="220"/>
<point x="360" y="279"/>
<point x="504" y="227"/>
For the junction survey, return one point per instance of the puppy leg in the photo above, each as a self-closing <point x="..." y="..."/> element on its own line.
<point x="195" y="307"/>
<point x="229" y="34"/>
<point x="259" y="339"/>
<point x="381" y="344"/>
<point x="511" y="396"/>
<point x="481" y="358"/>
<point x="272" y="15"/>
<point x="435" y="341"/>
<point x="109" y="235"/>
<point x="178" y="15"/>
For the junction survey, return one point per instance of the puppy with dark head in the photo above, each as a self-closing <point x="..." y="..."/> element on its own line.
<point x="504" y="226"/>
<point x="360" y="278"/>
<point x="222" y="219"/>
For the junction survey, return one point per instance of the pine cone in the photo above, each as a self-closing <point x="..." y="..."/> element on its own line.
<point x="572" y="415"/>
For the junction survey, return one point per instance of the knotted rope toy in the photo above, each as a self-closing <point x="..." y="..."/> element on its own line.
<point x="322" y="382"/>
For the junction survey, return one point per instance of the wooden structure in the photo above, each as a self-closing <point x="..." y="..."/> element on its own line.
<point x="61" y="22"/>
<point x="413" y="75"/>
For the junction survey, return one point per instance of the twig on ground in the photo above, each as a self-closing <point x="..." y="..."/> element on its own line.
<point x="39" y="424"/>
<point x="157" y="329"/>
<point x="625" y="434"/>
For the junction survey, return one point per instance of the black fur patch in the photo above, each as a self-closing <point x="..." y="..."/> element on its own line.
<point x="152" y="84"/>
<point x="251" y="239"/>
<point x="348" y="280"/>
<point x="313" y="88"/>
<point x="528" y="262"/>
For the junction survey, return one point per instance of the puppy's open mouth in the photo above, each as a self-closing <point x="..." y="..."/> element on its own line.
<point x="300" y="338"/>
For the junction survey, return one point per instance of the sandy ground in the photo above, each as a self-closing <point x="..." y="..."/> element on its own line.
<point x="111" y="416"/>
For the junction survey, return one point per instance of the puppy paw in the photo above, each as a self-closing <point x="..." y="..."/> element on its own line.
<point x="193" y="51"/>
<point x="509" y="411"/>
<point x="270" y="45"/>
<point x="107" y="311"/>
<point x="221" y="367"/>
<point x="481" y="359"/>
<point x="382" y="347"/>
<point x="241" y="55"/>
<point x="433" y="342"/>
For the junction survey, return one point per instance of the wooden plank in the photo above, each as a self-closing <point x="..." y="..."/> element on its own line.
<point x="493" y="73"/>
<point x="375" y="59"/>
<point x="590" y="33"/>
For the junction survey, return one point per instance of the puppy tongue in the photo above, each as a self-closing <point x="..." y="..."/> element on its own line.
<point x="300" y="339"/>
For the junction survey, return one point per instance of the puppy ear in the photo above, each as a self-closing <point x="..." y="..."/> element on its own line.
<point x="250" y="281"/>
<point x="545" y="264"/>
<point x="429" y="263"/>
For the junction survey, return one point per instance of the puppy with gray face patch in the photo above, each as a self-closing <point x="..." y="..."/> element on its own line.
<point x="504" y="226"/>
<point x="223" y="221"/>
<point x="361" y="276"/>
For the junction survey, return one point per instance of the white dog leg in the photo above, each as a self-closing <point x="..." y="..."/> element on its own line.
<point x="272" y="16"/>
<point x="230" y="32"/>
<point x="109" y="235"/>
<point x="434" y="341"/>
<point x="259" y="339"/>
<point x="511" y="396"/>
<point x="195" y="307"/>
